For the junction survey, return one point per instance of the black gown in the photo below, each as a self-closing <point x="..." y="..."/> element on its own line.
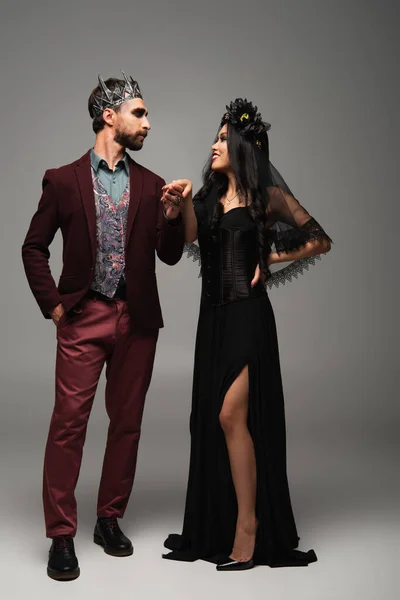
<point x="236" y="328"/>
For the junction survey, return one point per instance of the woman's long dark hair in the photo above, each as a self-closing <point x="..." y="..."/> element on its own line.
<point x="250" y="165"/>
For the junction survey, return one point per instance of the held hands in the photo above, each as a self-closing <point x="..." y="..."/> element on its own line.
<point x="57" y="313"/>
<point x="174" y="195"/>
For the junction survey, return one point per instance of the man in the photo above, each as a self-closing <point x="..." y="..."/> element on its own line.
<point x="106" y="309"/>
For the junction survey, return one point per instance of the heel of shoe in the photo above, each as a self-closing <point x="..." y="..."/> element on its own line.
<point x="97" y="540"/>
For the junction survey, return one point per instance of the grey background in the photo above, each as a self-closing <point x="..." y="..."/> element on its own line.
<point x="325" y="74"/>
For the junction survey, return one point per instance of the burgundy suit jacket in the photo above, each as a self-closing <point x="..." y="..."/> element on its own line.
<point x="67" y="203"/>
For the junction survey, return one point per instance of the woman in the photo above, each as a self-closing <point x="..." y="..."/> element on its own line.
<point x="238" y="511"/>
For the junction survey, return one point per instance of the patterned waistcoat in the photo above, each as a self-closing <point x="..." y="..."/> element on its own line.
<point x="111" y="224"/>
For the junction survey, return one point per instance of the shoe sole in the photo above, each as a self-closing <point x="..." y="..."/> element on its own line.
<point x="63" y="576"/>
<point x="97" y="540"/>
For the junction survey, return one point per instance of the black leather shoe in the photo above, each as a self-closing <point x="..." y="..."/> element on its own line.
<point x="63" y="564"/>
<point x="108" y="534"/>
<point x="234" y="565"/>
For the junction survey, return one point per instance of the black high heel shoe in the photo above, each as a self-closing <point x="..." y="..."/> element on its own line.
<point x="229" y="564"/>
<point x="234" y="565"/>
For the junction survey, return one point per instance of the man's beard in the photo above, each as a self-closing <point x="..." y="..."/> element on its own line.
<point x="128" y="141"/>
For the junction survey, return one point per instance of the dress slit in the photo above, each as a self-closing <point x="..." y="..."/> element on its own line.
<point x="236" y="372"/>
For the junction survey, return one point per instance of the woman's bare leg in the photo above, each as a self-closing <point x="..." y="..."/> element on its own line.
<point x="233" y="419"/>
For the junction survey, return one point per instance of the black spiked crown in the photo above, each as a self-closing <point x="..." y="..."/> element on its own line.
<point x="106" y="98"/>
<point x="246" y="119"/>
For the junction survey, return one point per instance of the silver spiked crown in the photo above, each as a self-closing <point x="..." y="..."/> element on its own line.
<point x="106" y="98"/>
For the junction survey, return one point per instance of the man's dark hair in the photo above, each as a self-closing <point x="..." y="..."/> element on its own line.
<point x="98" y="122"/>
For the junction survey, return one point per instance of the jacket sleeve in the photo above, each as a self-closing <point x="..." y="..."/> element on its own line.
<point x="170" y="236"/>
<point x="35" y="249"/>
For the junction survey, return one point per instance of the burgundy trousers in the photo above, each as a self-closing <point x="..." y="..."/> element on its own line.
<point x="98" y="332"/>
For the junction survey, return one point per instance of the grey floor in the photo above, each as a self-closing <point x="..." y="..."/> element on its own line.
<point x="344" y="492"/>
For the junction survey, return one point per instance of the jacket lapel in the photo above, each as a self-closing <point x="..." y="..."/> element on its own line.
<point x="136" y="187"/>
<point x="84" y="175"/>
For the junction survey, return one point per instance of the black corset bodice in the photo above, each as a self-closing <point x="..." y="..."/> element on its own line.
<point x="229" y="257"/>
